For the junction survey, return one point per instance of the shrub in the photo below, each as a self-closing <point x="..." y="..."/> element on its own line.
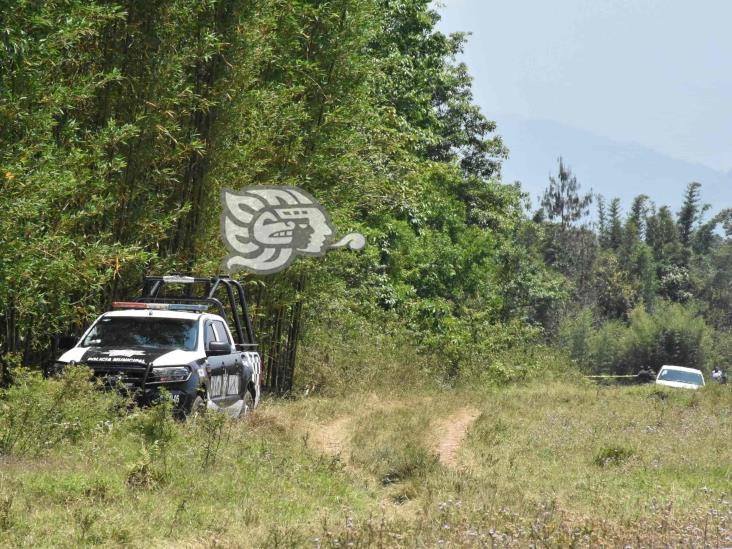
<point x="37" y="414"/>
<point x="672" y="334"/>
<point x="349" y="352"/>
<point x="346" y="352"/>
<point x="612" y="455"/>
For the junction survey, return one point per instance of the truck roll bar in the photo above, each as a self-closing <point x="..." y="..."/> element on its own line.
<point x="233" y="290"/>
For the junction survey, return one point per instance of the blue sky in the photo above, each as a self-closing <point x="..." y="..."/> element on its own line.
<point x="653" y="72"/>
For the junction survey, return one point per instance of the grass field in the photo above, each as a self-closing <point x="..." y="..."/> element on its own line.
<point x="551" y="465"/>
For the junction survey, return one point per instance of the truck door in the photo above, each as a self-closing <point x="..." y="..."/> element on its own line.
<point x="224" y="370"/>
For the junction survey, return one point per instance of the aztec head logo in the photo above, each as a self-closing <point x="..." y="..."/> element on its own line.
<point x="266" y="227"/>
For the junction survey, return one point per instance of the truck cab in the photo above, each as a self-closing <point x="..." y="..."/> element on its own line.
<point x="680" y="377"/>
<point x="174" y="342"/>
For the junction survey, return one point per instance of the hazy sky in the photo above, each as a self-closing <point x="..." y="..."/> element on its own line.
<point x="654" y="72"/>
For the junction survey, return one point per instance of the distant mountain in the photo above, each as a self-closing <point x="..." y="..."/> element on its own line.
<point x="608" y="167"/>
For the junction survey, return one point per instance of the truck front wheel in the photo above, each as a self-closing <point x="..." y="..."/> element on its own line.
<point x="195" y="408"/>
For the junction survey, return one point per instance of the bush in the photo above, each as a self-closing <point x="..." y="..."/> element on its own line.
<point x="672" y="334"/>
<point x="37" y="414"/>
<point x="346" y="351"/>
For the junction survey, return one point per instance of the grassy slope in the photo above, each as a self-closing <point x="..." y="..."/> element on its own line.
<point x="555" y="464"/>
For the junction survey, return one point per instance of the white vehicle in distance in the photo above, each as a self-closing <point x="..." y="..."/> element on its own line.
<point x="679" y="376"/>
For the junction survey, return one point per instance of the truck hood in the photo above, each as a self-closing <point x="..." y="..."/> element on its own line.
<point x="678" y="384"/>
<point x="141" y="355"/>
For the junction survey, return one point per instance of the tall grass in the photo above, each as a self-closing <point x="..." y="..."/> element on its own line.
<point x="548" y="463"/>
<point x="554" y="465"/>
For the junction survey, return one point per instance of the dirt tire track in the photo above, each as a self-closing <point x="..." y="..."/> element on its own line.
<point x="331" y="438"/>
<point x="452" y="431"/>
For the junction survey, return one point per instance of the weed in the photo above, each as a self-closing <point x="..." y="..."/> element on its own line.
<point x="210" y="431"/>
<point x="612" y="455"/>
<point x="6" y="518"/>
<point x="177" y="516"/>
<point x="147" y="472"/>
<point x="37" y="415"/>
<point x="85" y="519"/>
<point x="390" y="446"/>
<point x="99" y="491"/>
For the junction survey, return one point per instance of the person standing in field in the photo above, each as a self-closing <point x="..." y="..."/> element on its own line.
<point x="645" y="375"/>
<point x="717" y="374"/>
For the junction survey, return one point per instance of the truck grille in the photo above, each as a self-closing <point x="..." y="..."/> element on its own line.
<point x="111" y="375"/>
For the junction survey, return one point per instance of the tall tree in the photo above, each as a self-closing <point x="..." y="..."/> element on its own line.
<point x="562" y="199"/>
<point x="602" y="222"/>
<point x="431" y="91"/>
<point x="690" y="214"/>
<point x="615" y="225"/>
<point x="638" y="213"/>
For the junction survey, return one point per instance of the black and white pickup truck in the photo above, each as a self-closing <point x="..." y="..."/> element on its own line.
<point x="174" y="342"/>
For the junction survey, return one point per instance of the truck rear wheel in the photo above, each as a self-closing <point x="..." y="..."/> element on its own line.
<point x="247" y="404"/>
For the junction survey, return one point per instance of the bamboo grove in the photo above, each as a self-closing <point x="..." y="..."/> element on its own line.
<point x="121" y="121"/>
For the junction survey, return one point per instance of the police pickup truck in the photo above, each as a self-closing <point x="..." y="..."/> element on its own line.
<point x="173" y="342"/>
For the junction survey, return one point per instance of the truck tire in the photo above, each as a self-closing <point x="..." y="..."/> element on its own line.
<point x="247" y="404"/>
<point x="198" y="407"/>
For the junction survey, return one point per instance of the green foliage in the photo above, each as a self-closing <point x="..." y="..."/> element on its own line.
<point x="103" y="124"/>
<point x="612" y="455"/>
<point x="121" y="123"/>
<point x="562" y="200"/>
<point x="690" y="214"/>
<point x="616" y="294"/>
<point x="614" y="234"/>
<point x="430" y="92"/>
<point x="37" y="415"/>
<point x="672" y="334"/>
<point x="646" y="262"/>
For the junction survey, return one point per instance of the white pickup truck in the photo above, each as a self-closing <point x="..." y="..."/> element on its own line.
<point x="175" y="343"/>
<point x="681" y="377"/>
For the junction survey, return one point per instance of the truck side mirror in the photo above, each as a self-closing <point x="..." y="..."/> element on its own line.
<point x="216" y="348"/>
<point x="67" y="342"/>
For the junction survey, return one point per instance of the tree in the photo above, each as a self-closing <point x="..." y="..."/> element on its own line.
<point x="432" y="92"/>
<point x="615" y="291"/>
<point x="562" y="200"/>
<point x="663" y="237"/>
<point x="638" y="214"/>
<point x="602" y="222"/>
<point x="690" y="216"/>
<point x="615" y="225"/>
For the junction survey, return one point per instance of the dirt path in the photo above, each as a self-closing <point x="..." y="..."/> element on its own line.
<point x="331" y="437"/>
<point x="451" y="432"/>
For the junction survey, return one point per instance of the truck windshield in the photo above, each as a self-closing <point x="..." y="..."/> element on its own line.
<point x="681" y="376"/>
<point x="121" y="332"/>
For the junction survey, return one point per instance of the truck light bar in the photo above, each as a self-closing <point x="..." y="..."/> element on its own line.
<point x="158" y="306"/>
<point x="178" y="279"/>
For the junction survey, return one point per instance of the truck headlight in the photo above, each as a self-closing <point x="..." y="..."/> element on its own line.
<point x="169" y="374"/>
